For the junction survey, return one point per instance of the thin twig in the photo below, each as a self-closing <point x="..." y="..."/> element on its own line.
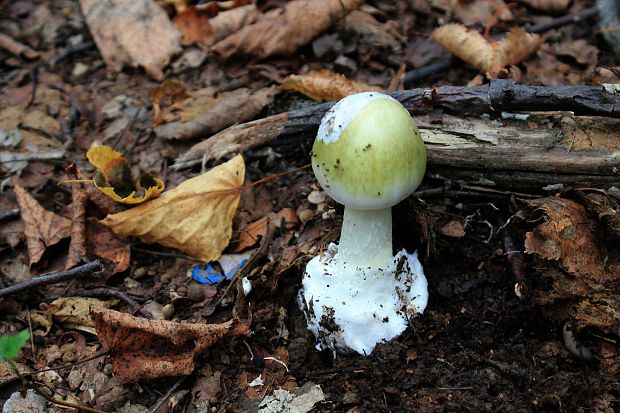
<point x="166" y="396"/>
<point x="72" y="50"/>
<point x="110" y="292"/>
<point x="98" y="354"/>
<point x="9" y="214"/>
<point x="53" y="278"/>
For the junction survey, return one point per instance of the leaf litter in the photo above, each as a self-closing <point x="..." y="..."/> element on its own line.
<point x="467" y="271"/>
<point x="147" y="349"/>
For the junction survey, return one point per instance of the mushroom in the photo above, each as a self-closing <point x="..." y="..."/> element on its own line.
<point x="368" y="155"/>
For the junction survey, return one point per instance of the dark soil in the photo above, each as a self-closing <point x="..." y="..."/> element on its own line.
<point x="477" y="347"/>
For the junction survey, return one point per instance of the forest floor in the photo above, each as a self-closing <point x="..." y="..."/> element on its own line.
<point x="524" y="307"/>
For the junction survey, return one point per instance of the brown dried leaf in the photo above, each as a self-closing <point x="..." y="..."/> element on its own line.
<point x="197" y="27"/>
<point x="602" y="313"/>
<point x="132" y="32"/>
<point x="257" y="229"/>
<point x="453" y="229"/>
<point x="580" y="50"/>
<point x="467" y="45"/>
<point x="373" y="34"/>
<point x="195" y="217"/>
<point x="205" y="112"/>
<point x="74" y="312"/>
<point x="325" y="85"/>
<point x="102" y="242"/>
<point x="148" y="349"/>
<point x="549" y="6"/>
<point x="568" y="236"/>
<point x="489" y="58"/>
<point x="43" y="228"/>
<point x="283" y="31"/>
<point x="480" y="11"/>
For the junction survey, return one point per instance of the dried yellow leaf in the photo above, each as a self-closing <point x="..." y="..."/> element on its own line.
<point x="195" y="217"/>
<point x="325" y="85"/>
<point x="113" y="177"/>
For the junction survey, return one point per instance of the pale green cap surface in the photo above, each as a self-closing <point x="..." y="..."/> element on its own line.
<point x="368" y="153"/>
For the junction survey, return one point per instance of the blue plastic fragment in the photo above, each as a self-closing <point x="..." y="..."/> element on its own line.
<point x="209" y="275"/>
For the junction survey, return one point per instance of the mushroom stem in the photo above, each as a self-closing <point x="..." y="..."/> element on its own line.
<point x="366" y="238"/>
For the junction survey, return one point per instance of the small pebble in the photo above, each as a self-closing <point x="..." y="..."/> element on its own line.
<point x="107" y="370"/>
<point x="79" y="70"/>
<point x="139" y="272"/>
<point x="168" y="311"/>
<point x="316" y="197"/>
<point x="165" y="278"/>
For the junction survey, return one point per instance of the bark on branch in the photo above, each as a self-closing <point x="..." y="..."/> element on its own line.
<point x="546" y="149"/>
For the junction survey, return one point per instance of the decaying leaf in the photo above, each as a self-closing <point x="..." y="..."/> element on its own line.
<point x="132" y="32"/>
<point x="74" y="312"/>
<point x="206" y="112"/>
<point x="325" y="85"/>
<point x="195" y="217"/>
<point x="480" y="11"/>
<point x="568" y="236"/>
<point x="148" y="349"/>
<point x="197" y="26"/>
<point x="167" y="94"/>
<point x="587" y="283"/>
<point x="257" y="229"/>
<point x="103" y="243"/>
<point x="488" y="57"/>
<point x="42" y="227"/>
<point x="283" y="31"/>
<point x="453" y="229"/>
<point x="113" y="177"/>
<point x="549" y="6"/>
<point x="373" y="35"/>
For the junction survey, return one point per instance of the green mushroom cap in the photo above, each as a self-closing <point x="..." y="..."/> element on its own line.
<point x="368" y="153"/>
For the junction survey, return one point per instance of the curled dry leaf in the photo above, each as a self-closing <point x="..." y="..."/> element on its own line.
<point x="42" y="227"/>
<point x="148" y="349"/>
<point x="488" y="57"/>
<point x="283" y="31"/>
<point x="113" y="177"/>
<point x="206" y="112"/>
<point x="132" y="32"/>
<point x="195" y="217"/>
<point x="325" y="85"/>
<point x="197" y="27"/>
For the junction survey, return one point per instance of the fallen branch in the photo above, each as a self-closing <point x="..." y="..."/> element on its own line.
<point x="54" y="278"/>
<point x="490" y="149"/>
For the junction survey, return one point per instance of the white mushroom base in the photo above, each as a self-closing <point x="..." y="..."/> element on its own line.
<point x="350" y="308"/>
